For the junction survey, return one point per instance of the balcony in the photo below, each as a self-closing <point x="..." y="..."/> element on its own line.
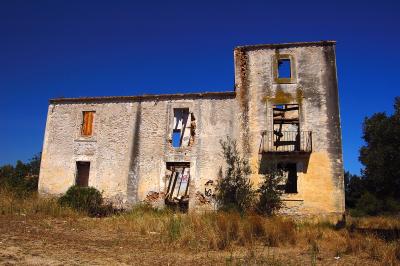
<point x="286" y="142"/>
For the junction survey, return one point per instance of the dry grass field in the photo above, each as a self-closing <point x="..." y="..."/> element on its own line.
<point x="36" y="231"/>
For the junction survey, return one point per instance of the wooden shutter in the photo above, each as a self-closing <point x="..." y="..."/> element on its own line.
<point x="87" y="123"/>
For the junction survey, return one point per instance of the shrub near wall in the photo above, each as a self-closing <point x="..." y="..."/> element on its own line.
<point x="84" y="199"/>
<point x="234" y="188"/>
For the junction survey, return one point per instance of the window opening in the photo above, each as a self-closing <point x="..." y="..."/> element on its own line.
<point x="177" y="194"/>
<point x="181" y="132"/>
<point x="286" y="128"/>
<point x="87" y="123"/>
<point x="176" y="138"/>
<point x="284" y="68"/>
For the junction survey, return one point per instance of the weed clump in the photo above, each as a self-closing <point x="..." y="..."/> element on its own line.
<point x="85" y="199"/>
<point x="280" y="231"/>
<point x="227" y="229"/>
<point x="174" y="228"/>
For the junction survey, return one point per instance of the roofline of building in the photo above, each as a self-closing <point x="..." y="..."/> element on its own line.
<point x="144" y="97"/>
<point x="158" y="97"/>
<point x="285" y="45"/>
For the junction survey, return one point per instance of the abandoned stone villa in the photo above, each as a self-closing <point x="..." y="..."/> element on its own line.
<point x="164" y="149"/>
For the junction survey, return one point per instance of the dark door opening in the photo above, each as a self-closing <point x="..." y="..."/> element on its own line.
<point x="290" y="177"/>
<point x="291" y="184"/>
<point x="82" y="173"/>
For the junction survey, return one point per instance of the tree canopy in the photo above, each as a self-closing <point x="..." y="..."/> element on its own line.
<point x="23" y="177"/>
<point x="377" y="190"/>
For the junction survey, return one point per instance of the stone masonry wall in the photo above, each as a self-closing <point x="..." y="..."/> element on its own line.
<point x="214" y="121"/>
<point x="320" y="174"/>
<point x="107" y="150"/>
<point x="131" y="144"/>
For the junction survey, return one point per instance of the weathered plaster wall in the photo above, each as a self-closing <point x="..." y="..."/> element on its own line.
<point x="314" y="88"/>
<point x="132" y="135"/>
<point x="107" y="150"/>
<point x="131" y="145"/>
<point x="214" y="120"/>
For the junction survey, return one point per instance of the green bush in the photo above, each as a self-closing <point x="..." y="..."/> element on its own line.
<point x="368" y="204"/>
<point x="234" y="188"/>
<point x="22" y="178"/>
<point x="270" y="201"/>
<point x="84" y="199"/>
<point x="391" y="205"/>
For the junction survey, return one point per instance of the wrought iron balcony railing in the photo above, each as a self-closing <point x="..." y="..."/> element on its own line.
<point x="286" y="141"/>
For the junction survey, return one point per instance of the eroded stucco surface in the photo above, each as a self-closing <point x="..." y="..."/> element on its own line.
<point x="314" y="89"/>
<point x="131" y="144"/>
<point x="107" y="150"/>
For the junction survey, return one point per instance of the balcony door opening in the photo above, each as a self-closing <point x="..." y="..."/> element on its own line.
<point x="286" y="127"/>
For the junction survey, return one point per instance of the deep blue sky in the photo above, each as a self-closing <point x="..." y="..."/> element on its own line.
<point x="91" y="48"/>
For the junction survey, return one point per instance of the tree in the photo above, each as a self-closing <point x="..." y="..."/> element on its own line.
<point x="381" y="154"/>
<point x="269" y="193"/>
<point x="234" y="188"/>
<point x="354" y="188"/>
<point x="23" y="177"/>
<point x="378" y="188"/>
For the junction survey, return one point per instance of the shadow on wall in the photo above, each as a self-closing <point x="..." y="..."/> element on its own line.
<point x="301" y="162"/>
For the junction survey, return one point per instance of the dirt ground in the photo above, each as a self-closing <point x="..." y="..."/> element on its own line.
<point x="58" y="241"/>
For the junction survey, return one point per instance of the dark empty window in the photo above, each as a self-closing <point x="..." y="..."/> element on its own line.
<point x="284" y="70"/>
<point x="290" y="177"/>
<point x="82" y="173"/>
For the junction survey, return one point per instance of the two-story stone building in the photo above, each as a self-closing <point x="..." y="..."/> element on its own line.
<point x="165" y="149"/>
